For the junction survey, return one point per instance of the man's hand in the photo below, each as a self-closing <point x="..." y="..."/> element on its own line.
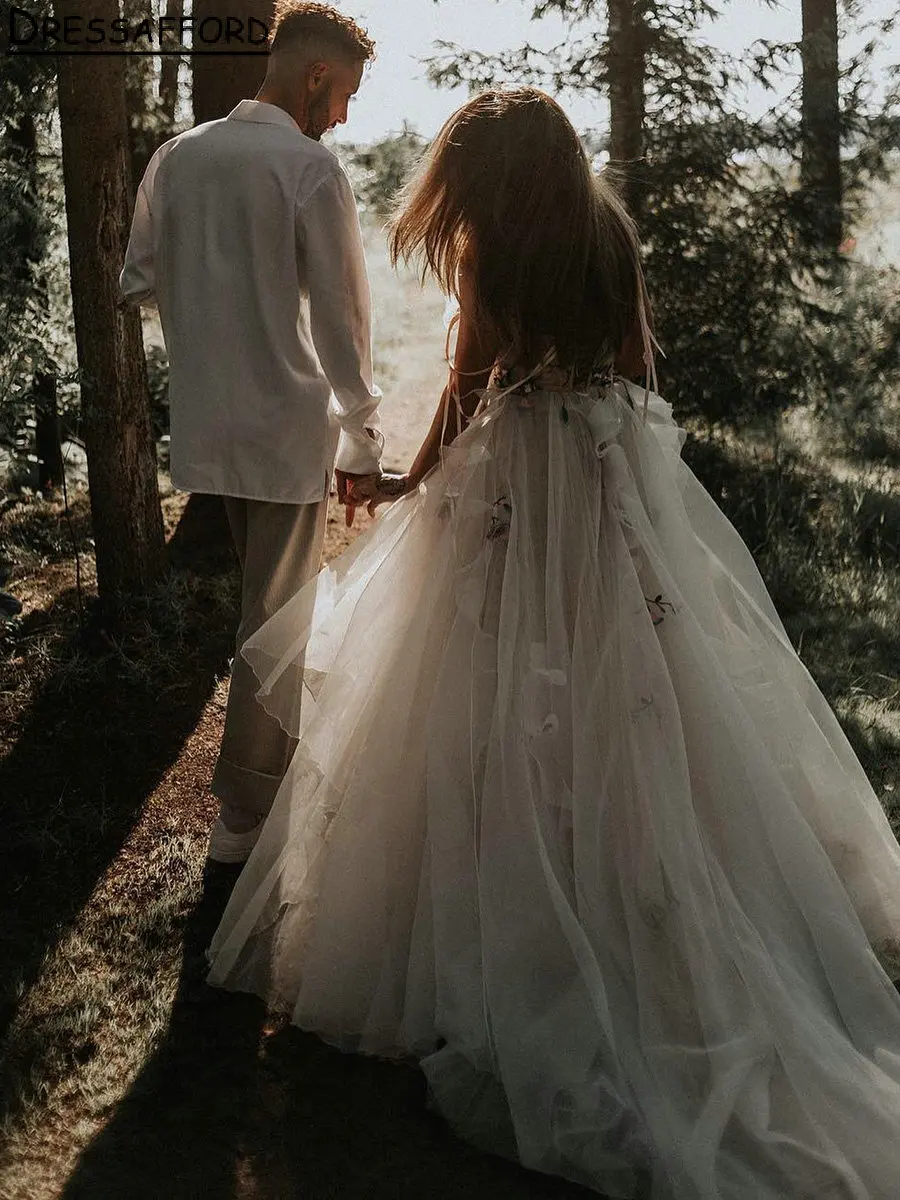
<point x="354" y="490"/>
<point x="387" y="489"/>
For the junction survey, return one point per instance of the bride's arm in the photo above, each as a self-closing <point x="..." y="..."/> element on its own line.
<point x="472" y="362"/>
<point x="470" y="370"/>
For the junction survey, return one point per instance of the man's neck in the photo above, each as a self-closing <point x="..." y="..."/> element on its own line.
<point x="268" y="94"/>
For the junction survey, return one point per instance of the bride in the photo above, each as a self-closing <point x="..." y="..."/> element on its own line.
<point x="568" y="820"/>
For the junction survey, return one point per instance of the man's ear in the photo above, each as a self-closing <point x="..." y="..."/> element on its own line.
<point x="317" y="73"/>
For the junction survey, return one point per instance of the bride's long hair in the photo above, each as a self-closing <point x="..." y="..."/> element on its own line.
<point x="507" y="190"/>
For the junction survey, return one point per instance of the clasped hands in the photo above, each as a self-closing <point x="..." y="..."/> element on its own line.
<point x="358" y="491"/>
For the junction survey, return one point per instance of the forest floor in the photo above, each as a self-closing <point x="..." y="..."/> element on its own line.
<point x="122" y="1074"/>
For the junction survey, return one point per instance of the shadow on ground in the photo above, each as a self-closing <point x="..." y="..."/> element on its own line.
<point x="92" y="746"/>
<point x="228" y="1104"/>
<point x="234" y="1105"/>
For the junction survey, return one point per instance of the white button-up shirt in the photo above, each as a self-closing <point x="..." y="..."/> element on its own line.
<point x="246" y="238"/>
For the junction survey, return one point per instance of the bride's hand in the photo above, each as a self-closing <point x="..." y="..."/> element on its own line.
<point x="383" y="490"/>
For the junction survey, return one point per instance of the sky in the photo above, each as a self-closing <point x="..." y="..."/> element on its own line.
<point x="395" y="87"/>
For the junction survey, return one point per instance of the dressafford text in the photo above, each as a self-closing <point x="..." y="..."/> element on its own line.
<point x="34" y="33"/>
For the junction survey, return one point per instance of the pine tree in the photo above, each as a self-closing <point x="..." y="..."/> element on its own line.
<point x="625" y="74"/>
<point x="140" y="104"/>
<point x="29" y="248"/>
<point x="28" y="380"/>
<point x="168" y="75"/>
<point x="743" y="307"/>
<point x="820" y="117"/>
<point x="127" y="520"/>
<point x="222" y="81"/>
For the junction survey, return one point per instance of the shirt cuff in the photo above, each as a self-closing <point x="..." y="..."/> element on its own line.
<point x="138" y="300"/>
<point x="359" y="453"/>
<point x="135" y="290"/>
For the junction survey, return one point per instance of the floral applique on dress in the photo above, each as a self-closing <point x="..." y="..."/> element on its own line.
<point x="657" y="608"/>
<point x="501" y="519"/>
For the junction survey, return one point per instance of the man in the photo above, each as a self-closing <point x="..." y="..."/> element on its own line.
<point x="246" y="238"/>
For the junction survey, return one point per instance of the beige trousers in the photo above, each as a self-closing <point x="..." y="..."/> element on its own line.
<point x="279" y="547"/>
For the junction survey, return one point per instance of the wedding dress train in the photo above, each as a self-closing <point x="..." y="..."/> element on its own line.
<point x="570" y="822"/>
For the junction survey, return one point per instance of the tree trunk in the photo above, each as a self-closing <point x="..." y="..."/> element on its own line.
<point x="139" y="99"/>
<point x="222" y="81"/>
<point x="820" y="121"/>
<point x="168" y="76"/>
<point x="625" y="72"/>
<point x="46" y="434"/>
<point x="127" y="521"/>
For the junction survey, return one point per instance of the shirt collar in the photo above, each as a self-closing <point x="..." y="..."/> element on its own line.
<point x="263" y="114"/>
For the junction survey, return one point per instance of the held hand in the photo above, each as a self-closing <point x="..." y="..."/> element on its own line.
<point x="387" y="488"/>
<point x="362" y="487"/>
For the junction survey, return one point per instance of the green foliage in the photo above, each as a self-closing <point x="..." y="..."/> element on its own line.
<point x="380" y="169"/>
<point x="36" y="326"/>
<point x="28" y="214"/>
<point x="750" y="320"/>
<point x="23" y="237"/>
<point x="158" y="387"/>
<point x="751" y="316"/>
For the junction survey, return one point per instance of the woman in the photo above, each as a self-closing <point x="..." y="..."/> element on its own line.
<point x="568" y="820"/>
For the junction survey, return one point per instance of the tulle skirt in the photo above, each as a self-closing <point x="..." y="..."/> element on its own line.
<point x="570" y="823"/>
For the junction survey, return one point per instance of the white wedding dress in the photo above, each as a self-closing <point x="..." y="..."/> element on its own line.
<point x="570" y="823"/>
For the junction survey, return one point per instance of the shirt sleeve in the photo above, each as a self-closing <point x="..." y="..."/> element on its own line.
<point x="341" y="317"/>
<point x="137" y="282"/>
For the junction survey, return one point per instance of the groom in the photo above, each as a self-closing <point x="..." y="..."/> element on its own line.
<point x="246" y="237"/>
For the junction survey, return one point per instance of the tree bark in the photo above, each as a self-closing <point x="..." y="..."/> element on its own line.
<point x="820" y="123"/>
<point x="221" y="81"/>
<point x="139" y="99"/>
<point x="127" y="521"/>
<point x="626" y="73"/>
<point x="168" y="76"/>
<point x="47" y="445"/>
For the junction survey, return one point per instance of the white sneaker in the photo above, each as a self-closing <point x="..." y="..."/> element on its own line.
<point x="228" y="847"/>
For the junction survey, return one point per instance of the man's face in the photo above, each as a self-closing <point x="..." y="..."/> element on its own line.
<point x="329" y="89"/>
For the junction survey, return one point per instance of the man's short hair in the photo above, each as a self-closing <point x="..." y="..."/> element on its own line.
<point x="297" y="23"/>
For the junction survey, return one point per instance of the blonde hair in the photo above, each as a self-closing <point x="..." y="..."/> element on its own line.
<point x="506" y="191"/>
<point x="297" y="23"/>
